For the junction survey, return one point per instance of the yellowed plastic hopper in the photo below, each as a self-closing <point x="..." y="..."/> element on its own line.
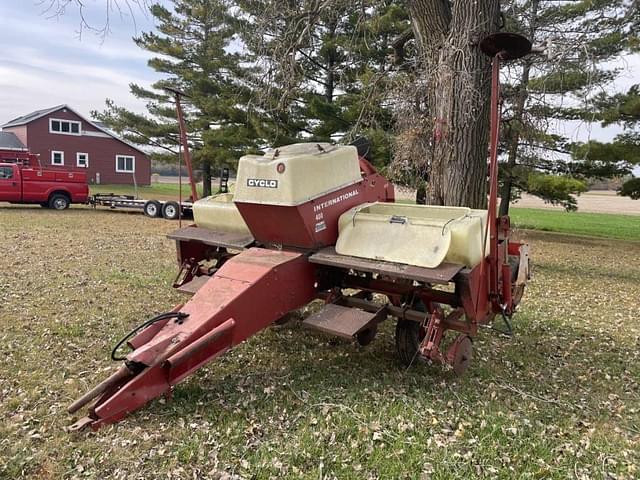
<point x="421" y="235"/>
<point x="309" y="170"/>
<point x="219" y="213"/>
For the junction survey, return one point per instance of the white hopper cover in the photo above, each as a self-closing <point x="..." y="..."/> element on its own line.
<point x="421" y="235"/>
<point x="310" y="171"/>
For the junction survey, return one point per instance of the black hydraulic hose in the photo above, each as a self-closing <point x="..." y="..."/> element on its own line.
<point x="163" y="316"/>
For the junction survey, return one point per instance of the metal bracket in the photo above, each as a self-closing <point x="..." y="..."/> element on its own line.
<point x="187" y="271"/>
<point x="81" y="424"/>
<point x="430" y="347"/>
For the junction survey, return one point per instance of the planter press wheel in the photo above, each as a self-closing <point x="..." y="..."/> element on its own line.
<point x="517" y="291"/>
<point x="460" y="354"/>
<point x="409" y="336"/>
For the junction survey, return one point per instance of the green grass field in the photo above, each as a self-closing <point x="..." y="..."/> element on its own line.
<point x="560" y="399"/>
<point x="157" y="191"/>
<point x="624" y="227"/>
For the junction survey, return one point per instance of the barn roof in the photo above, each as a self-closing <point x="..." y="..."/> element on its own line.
<point x="9" y="141"/>
<point x="30" y="117"/>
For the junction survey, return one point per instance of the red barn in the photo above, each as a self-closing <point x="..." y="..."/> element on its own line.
<point x="62" y="137"/>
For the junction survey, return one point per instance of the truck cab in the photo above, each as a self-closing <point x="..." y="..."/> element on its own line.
<point x="9" y="184"/>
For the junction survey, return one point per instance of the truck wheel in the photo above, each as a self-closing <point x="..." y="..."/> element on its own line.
<point x="171" y="210"/>
<point x="59" y="201"/>
<point x="152" y="208"/>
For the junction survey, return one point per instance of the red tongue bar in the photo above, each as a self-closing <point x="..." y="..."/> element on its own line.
<point x="221" y="314"/>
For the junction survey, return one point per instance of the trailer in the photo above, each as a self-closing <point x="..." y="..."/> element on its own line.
<point x="316" y="222"/>
<point x="168" y="209"/>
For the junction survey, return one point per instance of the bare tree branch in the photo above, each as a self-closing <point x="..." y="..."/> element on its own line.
<point x="124" y="8"/>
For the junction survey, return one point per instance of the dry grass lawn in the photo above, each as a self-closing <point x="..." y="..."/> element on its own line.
<point x="560" y="399"/>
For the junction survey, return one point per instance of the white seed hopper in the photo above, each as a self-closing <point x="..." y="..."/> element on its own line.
<point x="219" y="213"/>
<point x="421" y="235"/>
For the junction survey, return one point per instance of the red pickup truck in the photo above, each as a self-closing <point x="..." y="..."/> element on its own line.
<point x="50" y="188"/>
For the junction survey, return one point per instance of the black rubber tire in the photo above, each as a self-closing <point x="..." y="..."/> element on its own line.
<point x="514" y="261"/>
<point x="408" y="338"/>
<point x="283" y="320"/>
<point x="409" y="335"/>
<point x="171" y="210"/>
<point x="152" y="208"/>
<point x="365" y="337"/>
<point x="59" y="201"/>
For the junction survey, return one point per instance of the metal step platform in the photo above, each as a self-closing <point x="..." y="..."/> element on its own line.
<point x="209" y="237"/>
<point x="341" y="321"/>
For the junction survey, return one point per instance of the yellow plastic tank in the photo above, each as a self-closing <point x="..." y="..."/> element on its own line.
<point x="219" y="213"/>
<point x="421" y="235"/>
<point x="295" y="174"/>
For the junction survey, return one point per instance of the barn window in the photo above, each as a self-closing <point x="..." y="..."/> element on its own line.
<point x="125" y="163"/>
<point x="57" y="157"/>
<point x="65" y="127"/>
<point x="82" y="160"/>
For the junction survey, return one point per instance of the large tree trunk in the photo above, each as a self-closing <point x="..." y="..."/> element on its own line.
<point x="455" y="76"/>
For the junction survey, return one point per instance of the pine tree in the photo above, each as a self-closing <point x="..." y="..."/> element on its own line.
<point x="622" y="109"/>
<point x="195" y="44"/>
<point x="558" y="85"/>
<point x="326" y="67"/>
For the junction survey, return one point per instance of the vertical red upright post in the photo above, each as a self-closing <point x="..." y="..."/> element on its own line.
<point x="501" y="46"/>
<point x="180" y="185"/>
<point x="183" y="141"/>
<point x="493" y="174"/>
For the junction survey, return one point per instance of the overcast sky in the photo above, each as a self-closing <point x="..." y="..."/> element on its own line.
<point x="45" y="62"/>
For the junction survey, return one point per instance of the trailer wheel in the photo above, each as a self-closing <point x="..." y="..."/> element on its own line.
<point x="152" y="208"/>
<point x="58" y="201"/>
<point x="171" y="210"/>
<point x="409" y="336"/>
